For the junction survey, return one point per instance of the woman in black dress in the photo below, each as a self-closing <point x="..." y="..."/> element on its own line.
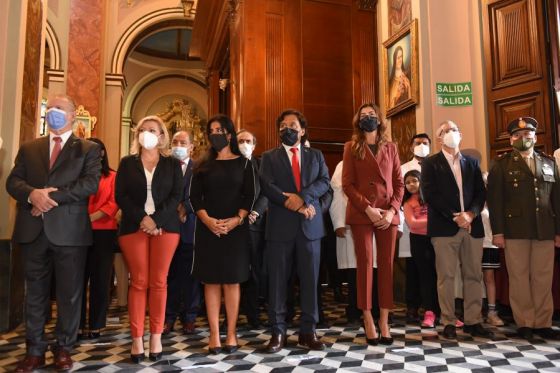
<point x="222" y="194"/>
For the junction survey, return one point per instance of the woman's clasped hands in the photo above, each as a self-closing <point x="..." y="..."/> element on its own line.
<point x="221" y="226"/>
<point x="149" y="226"/>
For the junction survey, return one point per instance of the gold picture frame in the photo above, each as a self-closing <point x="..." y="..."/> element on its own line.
<point x="84" y="123"/>
<point x="401" y="83"/>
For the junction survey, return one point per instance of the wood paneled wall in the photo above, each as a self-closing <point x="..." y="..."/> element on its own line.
<point x="317" y="56"/>
<point x="517" y="75"/>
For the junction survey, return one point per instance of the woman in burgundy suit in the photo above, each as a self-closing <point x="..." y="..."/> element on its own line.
<point x="372" y="180"/>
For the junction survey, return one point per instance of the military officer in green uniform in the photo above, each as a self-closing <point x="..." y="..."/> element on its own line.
<point x="524" y="204"/>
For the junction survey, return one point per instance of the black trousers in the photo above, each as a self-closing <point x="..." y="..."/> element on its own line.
<point x="424" y="260"/>
<point x="412" y="285"/>
<point x="255" y="286"/>
<point x="41" y="258"/>
<point x="184" y="292"/>
<point x="98" y="275"/>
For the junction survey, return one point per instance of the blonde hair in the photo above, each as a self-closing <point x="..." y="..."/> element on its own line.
<point x="163" y="144"/>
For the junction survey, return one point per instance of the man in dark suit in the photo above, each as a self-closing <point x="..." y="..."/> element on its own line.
<point x="52" y="179"/>
<point x="293" y="179"/>
<point x="524" y="206"/>
<point x="454" y="191"/>
<point x="254" y="287"/>
<point x="184" y="293"/>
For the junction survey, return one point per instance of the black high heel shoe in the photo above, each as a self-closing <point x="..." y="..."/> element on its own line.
<point x="155" y="356"/>
<point x="230" y="349"/>
<point x="372" y="341"/>
<point x="215" y="350"/>
<point x="385" y="341"/>
<point x="137" y="358"/>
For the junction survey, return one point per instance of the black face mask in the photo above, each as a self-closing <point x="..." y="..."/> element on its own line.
<point x="369" y="124"/>
<point x="289" y="136"/>
<point x="218" y="141"/>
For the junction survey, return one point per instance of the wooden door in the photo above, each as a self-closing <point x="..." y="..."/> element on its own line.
<point x="517" y="74"/>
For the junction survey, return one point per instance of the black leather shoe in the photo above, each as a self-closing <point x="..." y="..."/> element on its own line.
<point x="525" y="333"/>
<point x="310" y="341"/>
<point x="449" y="332"/>
<point x="547" y="333"/>
<point x="477" y="330"/>
<point x="94" y="335"/>
<point x="230" y="349"/>
<point x="137" y="358"/>
<point x="155" y="356"/>
<point x="385" y="341"/>
<point x="276" y="343"/>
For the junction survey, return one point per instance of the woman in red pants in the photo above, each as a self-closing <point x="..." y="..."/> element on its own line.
<point x="372" y="180"/>
<point x="148" y="189"/>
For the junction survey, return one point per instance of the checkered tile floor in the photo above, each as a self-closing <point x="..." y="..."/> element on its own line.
<point x="414" y="349"/>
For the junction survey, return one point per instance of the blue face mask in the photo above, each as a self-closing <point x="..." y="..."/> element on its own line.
<point x="179" y="152"/>
<point x="56" y="118"/>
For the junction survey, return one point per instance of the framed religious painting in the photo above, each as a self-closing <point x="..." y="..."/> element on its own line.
<point x="84" y="123"/>
<point x="400" y="69"/>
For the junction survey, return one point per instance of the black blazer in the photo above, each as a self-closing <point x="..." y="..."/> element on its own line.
<point x="276" y="177"/>
<point x="261" y="202"/>
<point x="131" y="193"/>
<point x="187" y="228"/>
<point x="75" y="173"/>
<point x="441" y="193"/>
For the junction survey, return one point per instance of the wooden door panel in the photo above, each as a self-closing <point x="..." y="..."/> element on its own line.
<point x="517" y="84"/>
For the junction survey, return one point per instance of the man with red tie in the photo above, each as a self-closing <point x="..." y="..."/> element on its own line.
<point x="51" y="181"/>
<point x="293" y="178"/>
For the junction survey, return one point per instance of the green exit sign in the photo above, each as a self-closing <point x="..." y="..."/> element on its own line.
<point x="454" y="94"/>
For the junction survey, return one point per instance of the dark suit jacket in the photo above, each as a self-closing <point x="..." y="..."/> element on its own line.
<point x="261" y="202"/>
<point x="276" y="177"/>
<point x="187" y="228"/>
<point x="441" y="193"/>
<point x="131" y="193"/>
<point x="523" y="205"/>
<point x="374" y="181"/>
<point x="75" y="173"/>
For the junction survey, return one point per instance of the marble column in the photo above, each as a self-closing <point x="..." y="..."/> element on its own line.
<point x="85" y="71"/>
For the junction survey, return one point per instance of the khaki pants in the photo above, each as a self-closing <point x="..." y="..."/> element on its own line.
<point x="530" y="265"/>
<point x="468" y="250"/>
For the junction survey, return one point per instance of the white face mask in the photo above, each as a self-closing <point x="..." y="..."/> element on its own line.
<point x="246" y="149"/>
<point x="452" y="139"/>
<point x="148" y="140"/>
<point x="421" y="150"/>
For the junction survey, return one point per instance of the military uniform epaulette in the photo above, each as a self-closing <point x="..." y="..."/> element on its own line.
<point x="542" y="154"/>
<point x="504" y="155"/>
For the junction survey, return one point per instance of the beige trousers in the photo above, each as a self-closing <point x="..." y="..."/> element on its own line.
<point x="468" y="250"/>
<point x="530" y="265"/>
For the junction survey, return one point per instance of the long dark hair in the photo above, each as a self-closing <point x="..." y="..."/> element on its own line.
<point x="407" y="194"/>
<point x="105" y="169"/>
<point x="210" y="154"/>
<point x="359" y="142"/>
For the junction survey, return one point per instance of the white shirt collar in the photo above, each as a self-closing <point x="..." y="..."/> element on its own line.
<point x="64" y="136"/>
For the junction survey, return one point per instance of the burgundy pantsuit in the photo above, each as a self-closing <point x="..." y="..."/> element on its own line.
<point x="374" y="181"/>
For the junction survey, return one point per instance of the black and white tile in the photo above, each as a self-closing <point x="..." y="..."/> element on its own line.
<point x="414" y="349"/>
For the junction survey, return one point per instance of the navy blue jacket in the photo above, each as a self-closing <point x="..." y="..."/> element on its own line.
<point x="187" y="228"/>
<point x="276" y="177"/>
